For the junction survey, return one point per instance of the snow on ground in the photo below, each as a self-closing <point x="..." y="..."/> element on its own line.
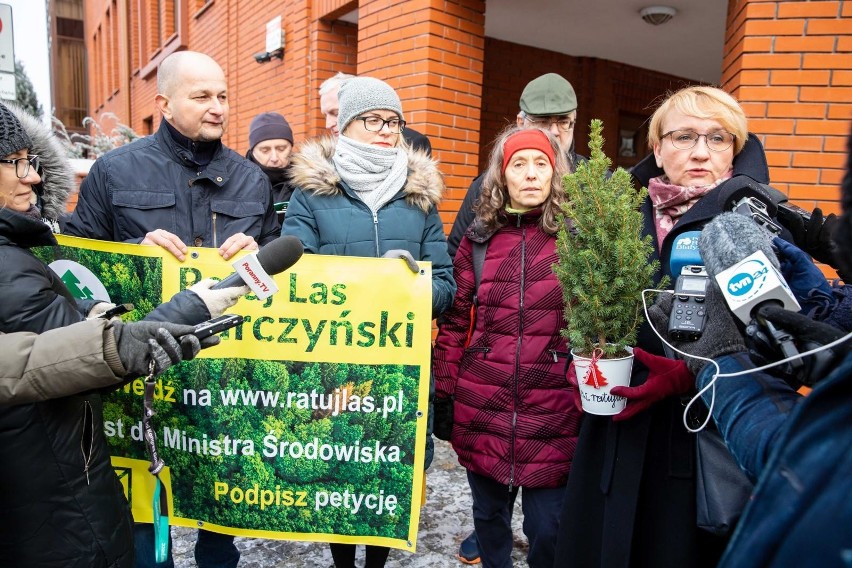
<point x="444" y="522"/>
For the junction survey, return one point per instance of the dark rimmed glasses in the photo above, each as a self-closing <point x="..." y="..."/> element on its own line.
<point x="375" y="124"/>
<point x="718" y="141"/>
<point x="22" y="165"/>
<point x="564" y="124"/>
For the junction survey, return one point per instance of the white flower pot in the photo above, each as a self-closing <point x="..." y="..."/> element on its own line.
<point x="595" y="386"/>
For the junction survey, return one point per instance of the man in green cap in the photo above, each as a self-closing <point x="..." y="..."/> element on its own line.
<point x="547" y="102"/>
<point x="550" y="103"/>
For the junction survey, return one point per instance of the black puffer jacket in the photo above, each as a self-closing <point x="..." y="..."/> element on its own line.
<point x="61" y="503"/>
<point x="153" y="183"/>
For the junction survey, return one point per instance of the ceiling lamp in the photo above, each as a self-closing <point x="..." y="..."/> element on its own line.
<point x="656" y="15"/>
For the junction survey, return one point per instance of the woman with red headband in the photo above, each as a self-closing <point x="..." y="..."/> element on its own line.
<point x="501" y="394"/>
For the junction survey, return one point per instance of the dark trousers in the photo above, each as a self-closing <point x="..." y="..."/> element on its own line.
<point x="492" y="519"/>
<point x="212" y="550"/>
<point x="344" y="555"/>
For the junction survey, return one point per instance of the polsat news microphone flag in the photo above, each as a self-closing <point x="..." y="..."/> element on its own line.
<point x="307" y="421"/>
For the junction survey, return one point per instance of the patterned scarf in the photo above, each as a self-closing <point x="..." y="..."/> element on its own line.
<point x="376" y="174"/>
<point x="672" y="201"/>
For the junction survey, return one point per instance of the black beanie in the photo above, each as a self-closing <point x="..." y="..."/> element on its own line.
<point x="13" y="137"/>
<point x="269" y="126"/>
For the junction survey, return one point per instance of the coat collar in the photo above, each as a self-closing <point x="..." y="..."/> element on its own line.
<point x="23" y="231"/>
<point x="216" y="171"/>
<point x="312" y="170"/>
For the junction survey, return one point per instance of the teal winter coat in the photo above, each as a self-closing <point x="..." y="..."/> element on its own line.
<point x="329" y="218"/>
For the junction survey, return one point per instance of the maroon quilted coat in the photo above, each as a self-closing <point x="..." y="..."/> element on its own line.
<point x="515" y="419"/>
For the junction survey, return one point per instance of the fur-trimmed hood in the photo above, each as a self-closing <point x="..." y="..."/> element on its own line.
<point x="57" y="176"/>
<point x="312" y="170"/>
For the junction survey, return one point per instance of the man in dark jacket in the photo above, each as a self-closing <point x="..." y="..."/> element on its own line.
<point x="330" y="107"/>
<point x="180" y="186"/>
<point x="548" y="102"/>
<point x="270" y="147"/>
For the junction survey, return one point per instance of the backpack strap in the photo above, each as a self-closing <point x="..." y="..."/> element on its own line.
<point x="478" y="254"/>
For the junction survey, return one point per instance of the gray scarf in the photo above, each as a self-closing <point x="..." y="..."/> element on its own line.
<point x="376" y="174"/>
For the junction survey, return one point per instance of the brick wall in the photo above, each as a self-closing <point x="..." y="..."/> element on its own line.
<point x="335" y="51"/>
<point x="790" y="65"/>
<point x="433" y="58"/>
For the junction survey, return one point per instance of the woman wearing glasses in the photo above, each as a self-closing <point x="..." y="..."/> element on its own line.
<point x="61" y="500"/>
<point x="367" y="194"/>
<point x="633" y="474"/>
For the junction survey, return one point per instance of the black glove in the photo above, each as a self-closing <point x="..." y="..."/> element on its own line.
<point x="721" y="335"/>
<point x="776" y="334"/>
<point x="813" y="235"/>
<point x="443" y="425"/>
<point x="138" y="343"/>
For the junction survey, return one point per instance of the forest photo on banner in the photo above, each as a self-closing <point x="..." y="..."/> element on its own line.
<point x="307" y="422"/>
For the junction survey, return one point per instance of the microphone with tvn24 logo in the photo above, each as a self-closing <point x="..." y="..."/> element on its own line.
<point x="256" y="269"/>
<point x="739" y="255"/>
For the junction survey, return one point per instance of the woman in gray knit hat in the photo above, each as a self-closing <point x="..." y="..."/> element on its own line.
<point x="367" y="194"/>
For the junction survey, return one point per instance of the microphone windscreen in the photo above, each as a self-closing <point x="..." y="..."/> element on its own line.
<point x="279" y="255"/>
<point x="728" y="239"/>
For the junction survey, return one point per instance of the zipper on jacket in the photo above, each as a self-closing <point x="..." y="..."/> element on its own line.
<point x="518" y="351"/>
<point x="557" y="354"/>
<point x="215" y="244"/>
<point x="483" y="350"/>
<point x="87" y="438"/>
<point x="376" y="232"/>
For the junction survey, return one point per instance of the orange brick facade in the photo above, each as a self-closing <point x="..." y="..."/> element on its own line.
<point x="789" y="63"/>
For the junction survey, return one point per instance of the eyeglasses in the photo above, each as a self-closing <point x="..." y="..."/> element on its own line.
<point x="22" y="165"/>
<point x="718" y="141"/>
<point x="375" y="124"/>
<point x="564" y="124"/>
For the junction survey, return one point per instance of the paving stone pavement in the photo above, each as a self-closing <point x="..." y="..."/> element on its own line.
<point x="444" y="522"/>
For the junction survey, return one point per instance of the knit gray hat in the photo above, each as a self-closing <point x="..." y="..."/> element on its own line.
<point x="269" y="126"/>
<point x="362" y="94"/>
<point x="13" y="137"/>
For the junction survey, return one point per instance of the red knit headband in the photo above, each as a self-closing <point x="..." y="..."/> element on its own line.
<point x="529" y="139"/>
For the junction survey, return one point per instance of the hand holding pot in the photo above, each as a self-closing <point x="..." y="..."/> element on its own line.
<point x="666" y="377"/>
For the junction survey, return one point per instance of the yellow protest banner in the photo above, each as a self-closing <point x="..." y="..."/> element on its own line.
<point x="307" y="422"/>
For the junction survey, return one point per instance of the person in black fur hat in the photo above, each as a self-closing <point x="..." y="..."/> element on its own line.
<point x="61" y="506"/>
<point x="62" y="503"/>
<point x="57" y="178"/>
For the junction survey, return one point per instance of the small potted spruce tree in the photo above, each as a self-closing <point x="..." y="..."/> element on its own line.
<point x="602" y="268"/>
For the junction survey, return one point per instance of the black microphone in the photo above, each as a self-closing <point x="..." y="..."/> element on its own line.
<point x="743" y="187"/>
<point x="745" y="196"/>
<point x="274" y="257"/>
<point x="739" y="256"/>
